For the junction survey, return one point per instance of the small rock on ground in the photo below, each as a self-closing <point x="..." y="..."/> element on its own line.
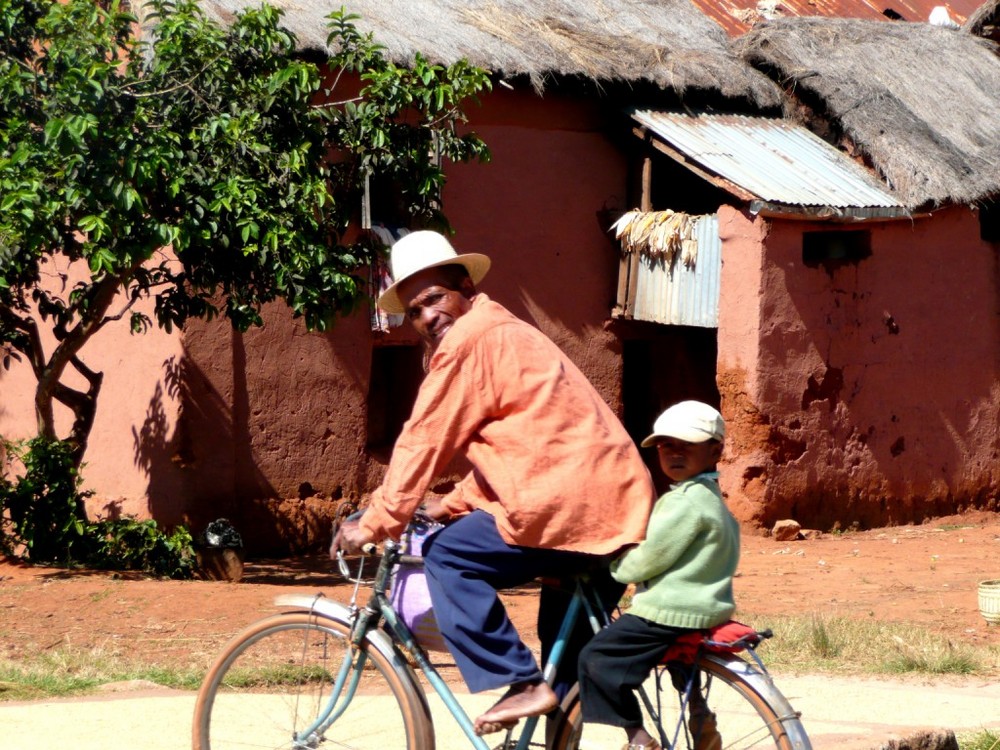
<point x="786" y="530"/>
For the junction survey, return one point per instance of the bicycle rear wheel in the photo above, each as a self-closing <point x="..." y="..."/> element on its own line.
<point x="749" y="713"/>
<point x="271" y="688"/>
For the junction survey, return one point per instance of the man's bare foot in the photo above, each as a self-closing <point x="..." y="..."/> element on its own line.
<point x="489" y="727"/>
<point x="521" y="700"/>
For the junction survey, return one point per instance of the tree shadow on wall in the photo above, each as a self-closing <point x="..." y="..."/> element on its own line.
<point x="3" y="374"/>
<point x="200" y="467"/>
<point x="158" y="457"/>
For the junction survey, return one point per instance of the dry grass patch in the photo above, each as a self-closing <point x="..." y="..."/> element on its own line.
<point x="810" y="643"/>
<point x="71" y="671"/>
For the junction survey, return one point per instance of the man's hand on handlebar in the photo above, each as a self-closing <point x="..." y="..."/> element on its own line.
<point x="349" y="538"/>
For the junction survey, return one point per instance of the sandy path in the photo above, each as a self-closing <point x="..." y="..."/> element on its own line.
<point x="848" y="714"/>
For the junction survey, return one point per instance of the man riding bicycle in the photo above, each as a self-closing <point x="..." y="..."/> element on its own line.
<point x="557" y="485"/>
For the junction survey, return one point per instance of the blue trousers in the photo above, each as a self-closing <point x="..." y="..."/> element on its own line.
<point x="466" y="563"/>
<point x="616" y="662"/>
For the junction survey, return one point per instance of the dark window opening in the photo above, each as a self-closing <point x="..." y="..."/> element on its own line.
<point x="989" y="221"/>
<point x="663" y="365"/>
<point x="676" y="187"/>
<point x="397" y="372"/>
<point x="386" y="205"/>
<point x="832" y="249"/>
<point x="892" y="15"/>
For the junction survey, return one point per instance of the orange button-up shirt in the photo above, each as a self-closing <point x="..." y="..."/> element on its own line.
<point x="551" y="462"/>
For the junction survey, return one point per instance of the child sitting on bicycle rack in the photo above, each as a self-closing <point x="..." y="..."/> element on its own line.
<point x="683" y="570"/>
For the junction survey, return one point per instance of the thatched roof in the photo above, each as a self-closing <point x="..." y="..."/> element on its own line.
<point x="985" y="22"/>
<point x="922" y="103"/>
<point x="667" y="42"/>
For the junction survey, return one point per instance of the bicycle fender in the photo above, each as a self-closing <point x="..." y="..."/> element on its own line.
<point x="328" y="608"/>
<point x="764" y="686"/>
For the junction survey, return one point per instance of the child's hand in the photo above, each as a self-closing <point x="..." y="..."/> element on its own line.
<point x="433" y="508"/>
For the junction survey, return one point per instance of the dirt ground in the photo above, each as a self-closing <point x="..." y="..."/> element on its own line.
<point x="924" y="575"/>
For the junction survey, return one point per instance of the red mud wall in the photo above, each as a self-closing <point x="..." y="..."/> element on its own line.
<point x="534" y="210"/>
<point x="137" y="408"/>
<point x="270" y="419"/>
<point x="863" y="393"/>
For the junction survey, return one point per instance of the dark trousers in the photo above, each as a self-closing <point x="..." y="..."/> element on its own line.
<point x="466" y="563"/>
<point x="615" y="662"/>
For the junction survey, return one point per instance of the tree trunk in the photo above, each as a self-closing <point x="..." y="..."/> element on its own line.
<point x="83" y="404"/>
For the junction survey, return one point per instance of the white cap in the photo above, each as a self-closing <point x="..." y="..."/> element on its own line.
<point x="691" y="421"/>
<point x="418" y="251"/>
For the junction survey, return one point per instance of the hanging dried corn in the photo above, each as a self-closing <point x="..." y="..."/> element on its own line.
<point x="620" y="227"/>
<point x="658" y="234"/>
<point x="689" y="244"/>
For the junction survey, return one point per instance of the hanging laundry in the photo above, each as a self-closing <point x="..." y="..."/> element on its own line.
<point x="380" y="279"/>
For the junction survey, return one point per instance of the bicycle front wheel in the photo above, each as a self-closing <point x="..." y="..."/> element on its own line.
<point x="748" y="711"/>
<point x="273" y="687"/>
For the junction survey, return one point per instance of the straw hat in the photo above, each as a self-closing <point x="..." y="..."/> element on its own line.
<point x="419" y="251"/>
<point x="691" y="421"/>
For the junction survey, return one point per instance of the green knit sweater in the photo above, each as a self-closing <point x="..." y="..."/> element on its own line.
<point x="684" y="567"/>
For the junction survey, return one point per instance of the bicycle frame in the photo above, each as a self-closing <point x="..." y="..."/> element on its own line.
<point x="278" y="672"/>
<point x="365" y="621"/>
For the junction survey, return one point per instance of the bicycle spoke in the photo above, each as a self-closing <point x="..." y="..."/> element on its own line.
<point x="293" y="685"/>
<point x="740" y="718"/>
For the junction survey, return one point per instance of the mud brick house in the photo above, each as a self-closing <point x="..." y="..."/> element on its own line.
<point x="838" y="294"/>
<point x="860" y="370"/>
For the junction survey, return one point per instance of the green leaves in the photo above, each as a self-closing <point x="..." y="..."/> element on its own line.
<point x="403" y="122"/>
<point x="41" y="504"/>
<point x="201" y="166"/>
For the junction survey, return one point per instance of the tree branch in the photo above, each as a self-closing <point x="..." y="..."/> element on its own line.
<point x="49" y="386"/>
<point x="342" y="102"/>
<point x="180" y="85"/>
<point x="121" y="314"/>
<point x="83" y="406"/>
<point x="34" y="350"/>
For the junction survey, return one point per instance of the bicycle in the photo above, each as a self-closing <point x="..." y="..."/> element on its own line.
<point x="322" y="674"/>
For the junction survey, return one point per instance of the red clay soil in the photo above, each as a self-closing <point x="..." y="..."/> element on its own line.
<point x="924" y="575"/>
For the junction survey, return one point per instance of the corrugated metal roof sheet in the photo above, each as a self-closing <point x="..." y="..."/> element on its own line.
<point x="676" y="294"/>
<point x="776" y="160"/>
<point x="737" y="16"/>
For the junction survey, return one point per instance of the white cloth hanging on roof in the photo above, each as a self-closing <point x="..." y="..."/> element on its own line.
<point x="380" y="279"/>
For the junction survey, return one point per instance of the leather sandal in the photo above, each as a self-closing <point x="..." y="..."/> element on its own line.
<point x="651" y="745"/>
